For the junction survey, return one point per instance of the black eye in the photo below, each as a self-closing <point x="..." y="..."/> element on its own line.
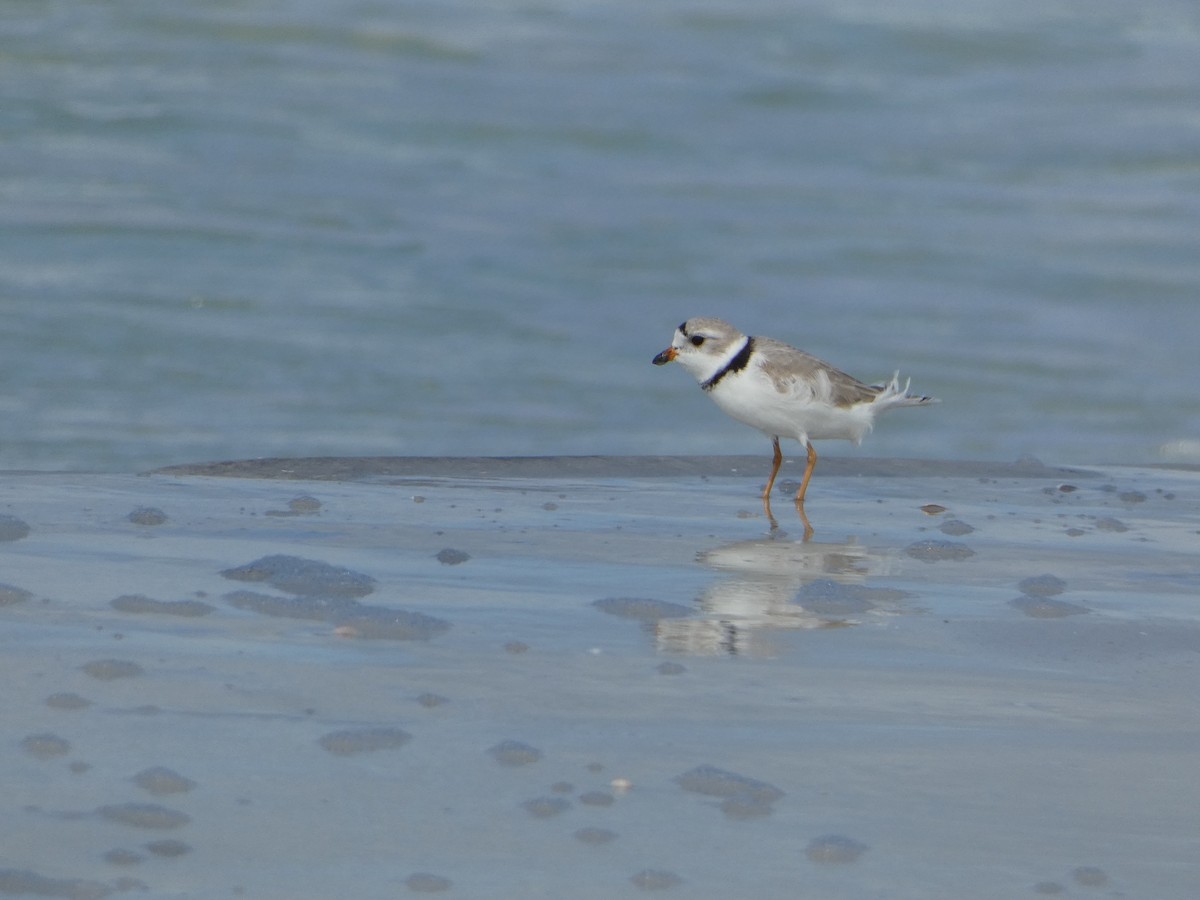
<point x="697" y="340"/>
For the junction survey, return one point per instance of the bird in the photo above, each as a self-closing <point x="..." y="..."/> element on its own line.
<point x="781" y="390"/>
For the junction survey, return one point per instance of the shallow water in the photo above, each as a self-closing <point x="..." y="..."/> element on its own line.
<point x="634" y="685"/>
<point x="281" y="229"/>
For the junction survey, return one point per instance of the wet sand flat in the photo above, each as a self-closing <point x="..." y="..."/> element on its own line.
<point x="600" y="677"/>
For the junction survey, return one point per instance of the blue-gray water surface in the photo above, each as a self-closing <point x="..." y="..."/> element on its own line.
<point x="287" y="227"/>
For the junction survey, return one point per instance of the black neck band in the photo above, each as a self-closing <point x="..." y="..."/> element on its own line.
<point x="739" y="362"/>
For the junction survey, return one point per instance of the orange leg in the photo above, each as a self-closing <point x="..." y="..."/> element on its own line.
<point x="812" y="464"/>
<point x="774" y="469"/>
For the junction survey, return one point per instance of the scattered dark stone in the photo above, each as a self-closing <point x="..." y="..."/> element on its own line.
<point x="10" y="595"/>
<point x="514" y="753"/>
<point x="25" y="882"/>
<point x="745" y="806"/>
<point x="451" y="557"/>
<point x="378" y="623"/>
<point x="160" y="780"/>
<point x="304" y="577"/>
<point x="147" y="515"/>
<point x="168" y="848"/>
<point x="1042" y="586"/>
<point x="1107" y="523"/>
<point x="367" y="740"/>
<point x="318" y="609"/>
<point x="144" y="815"/>
<point x="546" y="807"/>
<point x="955" y="527"/>
<point x="351" y="618"/>
<point x="112" y="669"/>
<point x="714" y="782"/>
<point x="12" y="528"/>
<point x="45" y="745"/>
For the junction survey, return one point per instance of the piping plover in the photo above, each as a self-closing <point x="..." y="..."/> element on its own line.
<point x="781" y="391"/>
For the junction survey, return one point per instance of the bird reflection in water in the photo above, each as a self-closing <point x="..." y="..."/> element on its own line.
<point x="771" y="585"/>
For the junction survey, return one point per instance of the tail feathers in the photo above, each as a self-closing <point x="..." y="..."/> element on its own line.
<point x="892" y="394"/>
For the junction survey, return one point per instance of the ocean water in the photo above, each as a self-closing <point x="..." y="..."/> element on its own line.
<point x="254" y="228"/>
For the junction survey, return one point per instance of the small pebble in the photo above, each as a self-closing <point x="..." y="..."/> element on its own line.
<point x="45" y="746"/>
<point x="23" y="882"/>
<point x="147" y="515"/>
<point x="304" y="505"/>
<point x="514" y="753"/>
<point x="168" y="848"/>
<point x="367" y="740"/>
<point x="112" y="669"/>
<point x="10" y="595"/>
<point x="160" y="780"/>
<point x="1042" y="586"/>
<point x="955" y="527"/>
<point x="144" y="815"/>
<point x="452" y="557"/>
<point x="12" y="528"/>
<point x="714" y="782"/>
<point x="545" y="807"/>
